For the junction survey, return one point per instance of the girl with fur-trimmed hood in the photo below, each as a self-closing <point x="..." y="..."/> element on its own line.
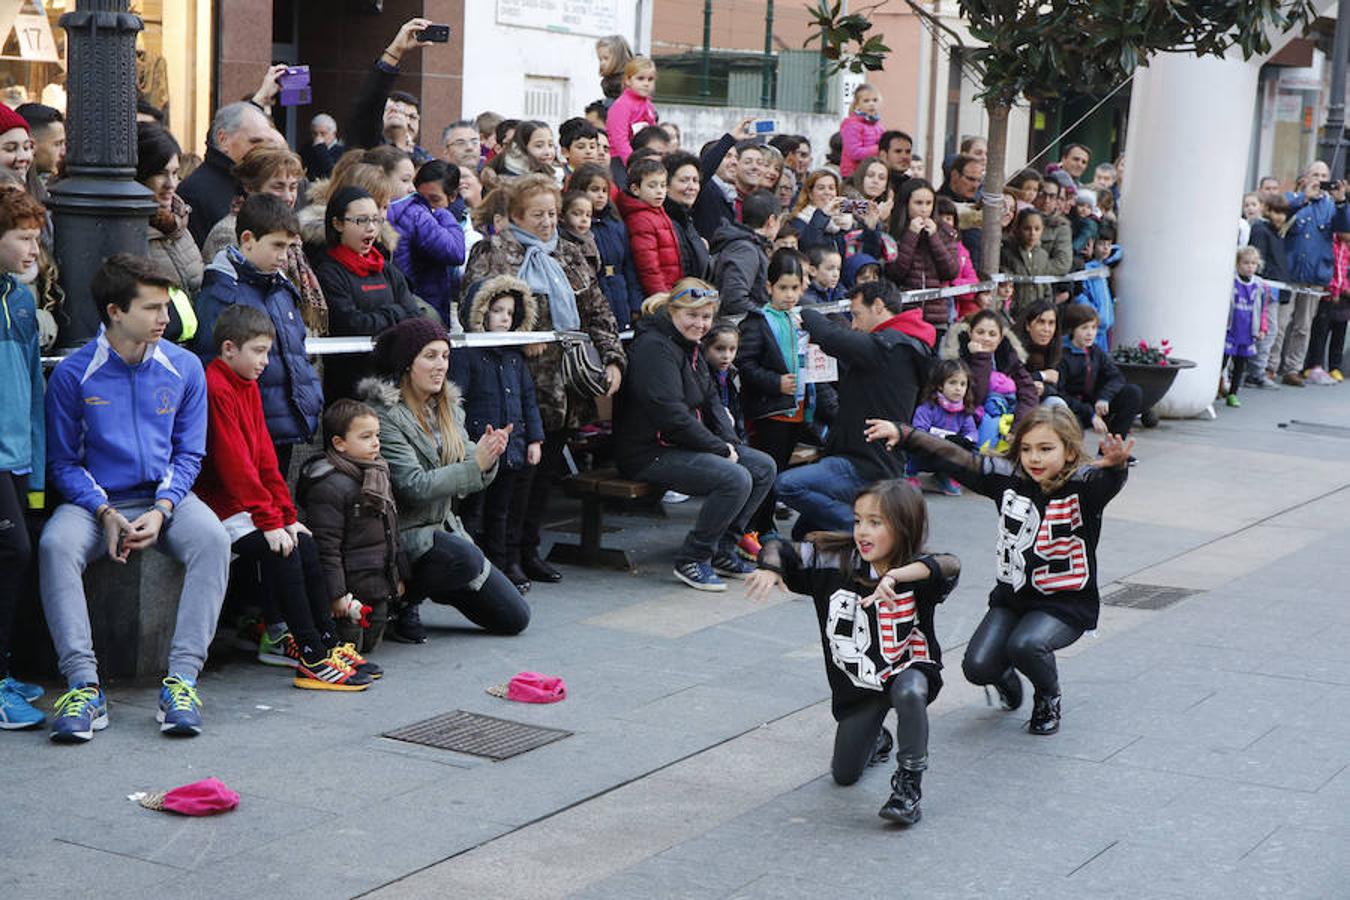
<point x="498" y="391"/>
<point x="985" y="343"/>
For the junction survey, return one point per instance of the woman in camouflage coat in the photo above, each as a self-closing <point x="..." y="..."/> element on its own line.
<point x="567" y="298"/>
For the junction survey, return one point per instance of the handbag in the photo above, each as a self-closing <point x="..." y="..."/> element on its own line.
<point x="582" y="370"/>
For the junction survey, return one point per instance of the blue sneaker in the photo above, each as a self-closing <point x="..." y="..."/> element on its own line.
<point x="78" y="713"/>
<point x="730" y="565"/>
<point x="699" y="576"/>
<point x="15" y="711"/>
<point x="29" y="692"/>
<point x="179" y="708"/>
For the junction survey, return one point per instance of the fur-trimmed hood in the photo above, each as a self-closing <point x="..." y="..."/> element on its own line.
<point x="384" y="392"/>
<point x="494" y="287"/>
<point x="959" y="335"/>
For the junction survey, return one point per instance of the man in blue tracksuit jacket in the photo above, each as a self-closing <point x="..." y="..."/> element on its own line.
<point x="126" y="433"/>
<point x="1315" y="216"/>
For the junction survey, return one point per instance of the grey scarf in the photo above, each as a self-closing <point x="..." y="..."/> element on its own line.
<point x="545" y="276"/>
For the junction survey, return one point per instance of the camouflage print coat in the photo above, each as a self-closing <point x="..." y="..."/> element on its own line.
<point x="502" y="254"/>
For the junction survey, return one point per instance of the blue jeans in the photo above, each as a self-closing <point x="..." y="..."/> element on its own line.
<point x="822" y="492"/>
<point x="732" y="491"/>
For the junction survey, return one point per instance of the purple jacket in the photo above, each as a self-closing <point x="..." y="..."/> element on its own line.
<point x="931" y="417"/>
<point x="430" y="249"/>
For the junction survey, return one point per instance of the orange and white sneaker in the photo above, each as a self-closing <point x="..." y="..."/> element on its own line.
<point x="351" y="657"/>
<point x="748" y="546"/>
<point x="330" y="674"/>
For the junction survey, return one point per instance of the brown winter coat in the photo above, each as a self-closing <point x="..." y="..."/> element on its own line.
<point x="502" y="254"/>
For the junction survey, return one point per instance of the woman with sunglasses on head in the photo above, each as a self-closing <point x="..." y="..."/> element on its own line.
<point x="366" y="293"/>
<point x="671" y="430"/>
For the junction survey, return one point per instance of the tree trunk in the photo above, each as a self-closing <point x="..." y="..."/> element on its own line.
<point x="991" y="235"/>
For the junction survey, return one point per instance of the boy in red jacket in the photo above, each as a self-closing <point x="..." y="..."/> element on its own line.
<point x="241" y="483"/>
<point x="651" y="234"/>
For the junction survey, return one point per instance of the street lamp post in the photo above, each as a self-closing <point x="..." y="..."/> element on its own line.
<point x="98" y="208"/>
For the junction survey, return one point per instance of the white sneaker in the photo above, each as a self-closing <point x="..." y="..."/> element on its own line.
<point x="674" y="497"/>
<point x="1319" y="375"/>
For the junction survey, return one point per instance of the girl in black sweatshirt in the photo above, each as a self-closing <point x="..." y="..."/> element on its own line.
<point x="1050" y="505"/>
<point x="875" y="592"/>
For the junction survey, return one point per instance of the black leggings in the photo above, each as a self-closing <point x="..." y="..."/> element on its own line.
<point x="452" y="573"/>
<point x="1236" y="373"/>
<point x="1026" y="641"/>
<point x="530" y="501"/>
<point x="487" y="515"/>
<point x="1326" y="339"/>
<point x="292" y="589"/>
<point x="778" y="439"/>
<point x="855" y="739"/>
<point x="16" y="552"/>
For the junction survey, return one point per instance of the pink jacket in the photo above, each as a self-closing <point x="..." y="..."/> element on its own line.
<point x="861" y="139"/>
<point x="966" y="303"/>
<point x="624" y="113"/>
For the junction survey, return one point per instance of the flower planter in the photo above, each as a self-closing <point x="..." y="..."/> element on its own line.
<point x="1153" y="381"/>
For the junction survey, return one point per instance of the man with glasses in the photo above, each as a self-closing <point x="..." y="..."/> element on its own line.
<point x="1057" y="238"/>
<point x="963" y="180"/>
<point x="460" y="145"/>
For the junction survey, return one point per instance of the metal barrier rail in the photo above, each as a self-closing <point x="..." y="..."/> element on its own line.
<point x="329" y="346"/>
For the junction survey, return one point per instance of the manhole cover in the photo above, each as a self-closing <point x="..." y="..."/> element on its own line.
<point x="1324" y="429"/>
<point x="1146" y="596"/>
<point x="477" y="735"/>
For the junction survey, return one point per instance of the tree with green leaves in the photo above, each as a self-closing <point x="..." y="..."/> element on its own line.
<point x="1044" y="50"/>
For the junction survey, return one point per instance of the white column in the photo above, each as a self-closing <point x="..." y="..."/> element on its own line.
<point x="1185" y="162"/>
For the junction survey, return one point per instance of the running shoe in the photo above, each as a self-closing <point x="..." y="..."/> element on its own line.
<point x="180" y="709"/>
<point x="330" y="674"/>
<point x="1318" y="376"/>
<point x="29" y="692"/>
<point x="280" y="652"/>
<point x="730" y="565"/>
<point x="913" y="481"/>
<point x="15" y="711"/>
<point x="699" y="576"/>
<point x="78" y="713"/>
<point x="1336" y="375"/>
<point x="950" y="486"/>
<point x="674" y="497"/>
<point x="1233" y="401"/>
<point x="351" y="657"/>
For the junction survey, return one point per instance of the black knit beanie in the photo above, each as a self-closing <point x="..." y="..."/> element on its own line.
<point x="398" y="345"/>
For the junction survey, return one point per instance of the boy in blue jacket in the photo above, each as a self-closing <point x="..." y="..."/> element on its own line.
<point x="1096" y="292"/>
<point x="126" y="430"/>
<point x="249" y="274"/>
<point x="22" y="446"/>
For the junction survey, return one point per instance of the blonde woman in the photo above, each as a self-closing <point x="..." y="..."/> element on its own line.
<point x="671" y="429"/>
<point x="432" y="462"/>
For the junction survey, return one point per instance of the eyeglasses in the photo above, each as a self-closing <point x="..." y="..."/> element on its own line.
<point x="364" y="221"/>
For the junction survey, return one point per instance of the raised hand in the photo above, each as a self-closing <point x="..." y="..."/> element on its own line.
<point x="1116" y="452"/>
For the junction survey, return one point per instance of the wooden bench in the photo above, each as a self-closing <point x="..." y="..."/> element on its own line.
<point x="593" y="489"/>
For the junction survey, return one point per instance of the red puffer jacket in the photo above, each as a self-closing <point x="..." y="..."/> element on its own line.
<point x="656" y="249"/>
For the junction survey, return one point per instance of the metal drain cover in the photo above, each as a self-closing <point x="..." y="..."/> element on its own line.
<point x="477" y="735"/>
<point x="1146" y="596"/>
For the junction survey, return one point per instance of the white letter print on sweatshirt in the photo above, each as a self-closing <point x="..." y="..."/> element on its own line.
<point x="1019" y="522"/>
<point x="869" y="663"/>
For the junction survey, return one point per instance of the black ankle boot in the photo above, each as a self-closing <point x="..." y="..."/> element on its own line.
<point x="882" y="751"/>
<point x="1044" y="715"/>
<point x="405" y="625"/>
<point x="903" y="807"/>
<point x="1009" y="689"/>
<point x="517" y="577"/>
<point x="534" y="566"/>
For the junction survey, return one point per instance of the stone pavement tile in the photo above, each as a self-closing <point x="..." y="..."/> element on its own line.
<point x="1125" y="542"/>
<point x="1294" y="862"/>
<point x="1126" y="869"/>
<point x="1296" y="770"/>
<point x="659" y="878"/>
<point x="69" y="870"/>
<point x="705" y="708"/>
<point x="679" y="611"/>
<point x="1228" y="558"/>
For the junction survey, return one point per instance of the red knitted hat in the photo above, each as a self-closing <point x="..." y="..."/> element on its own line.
<point x="10" y="119"/>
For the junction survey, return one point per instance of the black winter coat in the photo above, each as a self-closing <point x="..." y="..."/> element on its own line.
<point x="1086" y="377"/>
<point x="742" y="270"/>
<point x="1274" y="264"/>
<point x="358" y="553"/>
<point x="359" y="305"/>
<point x="880" y="376"/>
<point x="759" y="360"/>
<point x="712" y="207"/>
<point x="694" y="258"/>
<point x="210" y="191"/>
<point x="498" y="391"/>
<point x="669" y="398"/>
<point x="618" y="275"/>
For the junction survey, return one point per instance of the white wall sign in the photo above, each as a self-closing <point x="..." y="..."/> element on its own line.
<point x="593" y="17"/>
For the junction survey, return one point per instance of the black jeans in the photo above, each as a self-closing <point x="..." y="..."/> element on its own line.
<point x="1025" y="641"/>
<point x="732" y="491"/>
<point x="487" y="515"/>
<point x="292" y="588"/>
<point x="454" y="572"/>
<point x="855" y="738"/>
<point x="533" y="486"/>
<point x="1326" y="341"/>
<point x="16" y="554"/>
<point x="1236" y="373"/>
<point x="778" y="439"/>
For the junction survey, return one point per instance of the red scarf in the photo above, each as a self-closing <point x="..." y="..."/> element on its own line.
<point x="360" y="266"/>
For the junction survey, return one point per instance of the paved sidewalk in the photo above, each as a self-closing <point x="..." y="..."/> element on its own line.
<point x="1204" y="750"/>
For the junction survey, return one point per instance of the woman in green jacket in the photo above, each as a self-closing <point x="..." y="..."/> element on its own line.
<point x="432" y="462"/>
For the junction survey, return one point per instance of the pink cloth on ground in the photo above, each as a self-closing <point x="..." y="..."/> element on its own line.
<point x="201" y="798"/>
<point x="531" y="687"/>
